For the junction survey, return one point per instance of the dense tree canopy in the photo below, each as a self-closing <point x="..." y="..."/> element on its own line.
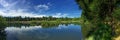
<point x="100" y="10"/>
<point x="103" y="14"/>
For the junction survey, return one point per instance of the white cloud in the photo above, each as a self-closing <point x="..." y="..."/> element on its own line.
<point x="20" y="12"/>
<point x="13" y="13"/>
<point x="43" y="6"/>
<point x="9" y="10"/>
<point x="6" y="4"/>
<point x="60" y="15"/>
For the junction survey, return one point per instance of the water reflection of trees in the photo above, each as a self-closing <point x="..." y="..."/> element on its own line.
<point x="43" y="24"/>
<point x="2" y="33"/>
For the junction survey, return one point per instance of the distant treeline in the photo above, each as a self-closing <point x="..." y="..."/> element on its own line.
<point x="50" y="18"/>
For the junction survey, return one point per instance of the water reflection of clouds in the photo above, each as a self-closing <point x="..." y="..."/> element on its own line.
<point x="61" y="26"/>
<point x="25" y="33"/>
<point x="22" y="28"/>
<point x="70" y="26"/>
<point x="38" y="33"/>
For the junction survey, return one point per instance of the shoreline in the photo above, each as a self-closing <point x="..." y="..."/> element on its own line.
<point x="40" y="21"/>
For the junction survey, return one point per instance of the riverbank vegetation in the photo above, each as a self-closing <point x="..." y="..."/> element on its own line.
<point x="43" y="21"/>
<point x="49" y="18"/>
<point x="40" y="19"/>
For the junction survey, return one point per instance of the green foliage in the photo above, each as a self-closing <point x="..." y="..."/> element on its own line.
<point x="100" y="13"/>
<point x="2" y="21"/>
<point x="50" y="18"/>
<point x="98" y="10"/>
<point x="117" y="13"/>
<point x="49" y="24"/>
<point x="103" y="32"/>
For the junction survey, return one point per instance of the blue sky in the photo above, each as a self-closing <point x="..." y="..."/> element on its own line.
<point x="39" y="8"/>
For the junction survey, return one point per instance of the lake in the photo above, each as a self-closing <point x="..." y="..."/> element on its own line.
<point x="38" y="32"/>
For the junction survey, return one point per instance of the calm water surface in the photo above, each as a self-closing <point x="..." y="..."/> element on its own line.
<point x="61" y="32"/>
